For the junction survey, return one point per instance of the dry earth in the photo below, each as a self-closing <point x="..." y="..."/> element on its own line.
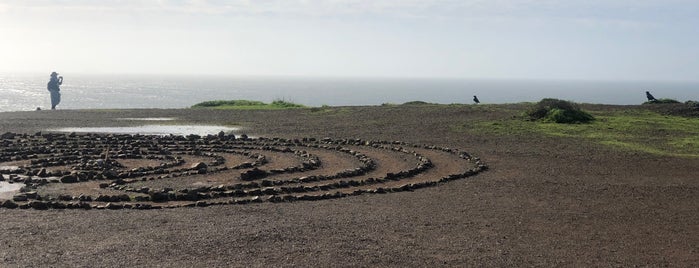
<point x="544" y="201"/>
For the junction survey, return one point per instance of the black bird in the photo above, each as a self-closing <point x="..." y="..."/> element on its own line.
<point x="650" y="97"/>
<point x="475" y="99"/>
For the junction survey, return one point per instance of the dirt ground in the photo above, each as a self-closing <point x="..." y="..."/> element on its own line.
<point x="545" y="201"/>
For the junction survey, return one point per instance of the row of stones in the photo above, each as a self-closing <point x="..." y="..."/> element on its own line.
<point x="43" y="205"/>
<point x="237" y="190"/>
<point x="276" y="193"/>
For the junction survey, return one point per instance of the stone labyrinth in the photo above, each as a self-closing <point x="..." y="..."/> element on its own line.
<point x="121" y="171"/>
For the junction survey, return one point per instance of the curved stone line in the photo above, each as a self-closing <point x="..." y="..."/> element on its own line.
<point x="147" y="147"/>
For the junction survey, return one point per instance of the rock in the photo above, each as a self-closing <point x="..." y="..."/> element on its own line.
<point x="253" y="174"/>
<point x="32" y="195"/>
<point x="7" y="136"/>
<point x="42" y="173"/>
<point x="39" y="205"/>
<point x="69" y="179"/>
<point x="9" y="204"/>
<point x="159" y="197"/>
<point x="200" y="165"/>
<point x="19" y="197"/>
<point x="110" y="174"/>
<point x="114" y="206"/>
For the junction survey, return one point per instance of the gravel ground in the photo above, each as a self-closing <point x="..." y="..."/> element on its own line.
<point x="544" y="202"/>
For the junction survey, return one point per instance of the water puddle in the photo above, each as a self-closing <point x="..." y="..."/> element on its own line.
<point x="202" y="130"/>
<point x="8" y="190"/>
<point x="10" y="168"/>
<point x="147" y="119"/>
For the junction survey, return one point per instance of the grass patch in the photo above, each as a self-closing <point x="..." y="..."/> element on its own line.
<point x="634" y="130"/>
<point x="247" y="105"/>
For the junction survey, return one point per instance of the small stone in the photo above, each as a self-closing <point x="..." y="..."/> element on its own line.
<point x="19" y="197"/>
<point x="38" y="205"/>
<point x="9" y="204"/>
<point x="69" y="179"/>
<point x="200" y="165"/>
<point x="7" y="136"/>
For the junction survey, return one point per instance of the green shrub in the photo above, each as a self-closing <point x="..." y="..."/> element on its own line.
<point x="247" y="104"/>
<point x="416" y="103"/>
<point x="219" y="103"/>
<point x="286" y="104"/>
<point x="661" y="101"/>
<point x="559" y="111"/>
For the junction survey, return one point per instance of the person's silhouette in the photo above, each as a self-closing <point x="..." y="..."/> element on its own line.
<point x="650" y="97"/>
<point x="54" y="87"/>
<point x="475" y="99"/>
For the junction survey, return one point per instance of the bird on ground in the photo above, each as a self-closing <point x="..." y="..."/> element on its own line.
<point x="475" y="99"/>
<point x="650" y="97"/>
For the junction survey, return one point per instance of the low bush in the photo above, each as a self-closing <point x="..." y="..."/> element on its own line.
<point x="416" y="103"/>
<point x="661" y="101"/>
<point x="559" y="111"/>
<point x="247" y="104"/>
<point x="219" y="103"/>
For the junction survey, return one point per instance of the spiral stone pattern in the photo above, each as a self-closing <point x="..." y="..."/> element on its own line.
<point x="123" y="171"/>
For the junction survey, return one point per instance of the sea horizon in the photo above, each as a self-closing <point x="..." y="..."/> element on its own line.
<point x="24" y="91"/>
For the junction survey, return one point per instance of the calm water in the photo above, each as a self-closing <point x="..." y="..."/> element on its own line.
<point x="27" y="92"/>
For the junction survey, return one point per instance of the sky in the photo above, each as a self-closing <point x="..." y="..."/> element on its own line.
<point x="491" y="39"/>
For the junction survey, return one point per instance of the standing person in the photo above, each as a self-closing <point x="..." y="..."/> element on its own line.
<point x="54" y="87"/>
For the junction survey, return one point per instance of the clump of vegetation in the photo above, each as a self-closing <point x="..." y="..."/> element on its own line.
<point x="559" y="111"/>
<point x="219" y="103"/>
<point x="286" y="104"/>
<point x="247" y="104"/>
<point x="416" y="103"/>
<point x="661" y="101"/>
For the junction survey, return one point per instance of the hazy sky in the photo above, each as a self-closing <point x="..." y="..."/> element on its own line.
<point x="549" y="39"/>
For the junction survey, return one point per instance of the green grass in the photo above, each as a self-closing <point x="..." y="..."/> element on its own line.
<point x="247" y="105"/>
<point x="633" y="130"/>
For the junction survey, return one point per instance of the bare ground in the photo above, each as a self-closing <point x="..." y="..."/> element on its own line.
<point x="544" y="202"/>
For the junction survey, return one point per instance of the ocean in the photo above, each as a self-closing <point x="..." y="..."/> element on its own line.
<point x="27" y="92"/>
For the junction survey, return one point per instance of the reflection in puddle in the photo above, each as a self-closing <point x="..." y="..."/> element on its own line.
<point x="8" y="190"/>
<point x="154" y="130"/>
<point x="147" y="118"/>
<point x="11" y="168"/>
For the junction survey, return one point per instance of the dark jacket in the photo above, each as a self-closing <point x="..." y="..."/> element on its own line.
<point x="54" y="84"/>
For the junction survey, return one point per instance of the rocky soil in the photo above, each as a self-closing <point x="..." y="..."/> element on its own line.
<point x="544" y="201"/>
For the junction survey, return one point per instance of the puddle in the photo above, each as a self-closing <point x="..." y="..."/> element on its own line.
<point x="10" y="168"/>
<point x="202" y="130"/>
<point x="148" y="119"/>
<point x="8" y="190"/>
